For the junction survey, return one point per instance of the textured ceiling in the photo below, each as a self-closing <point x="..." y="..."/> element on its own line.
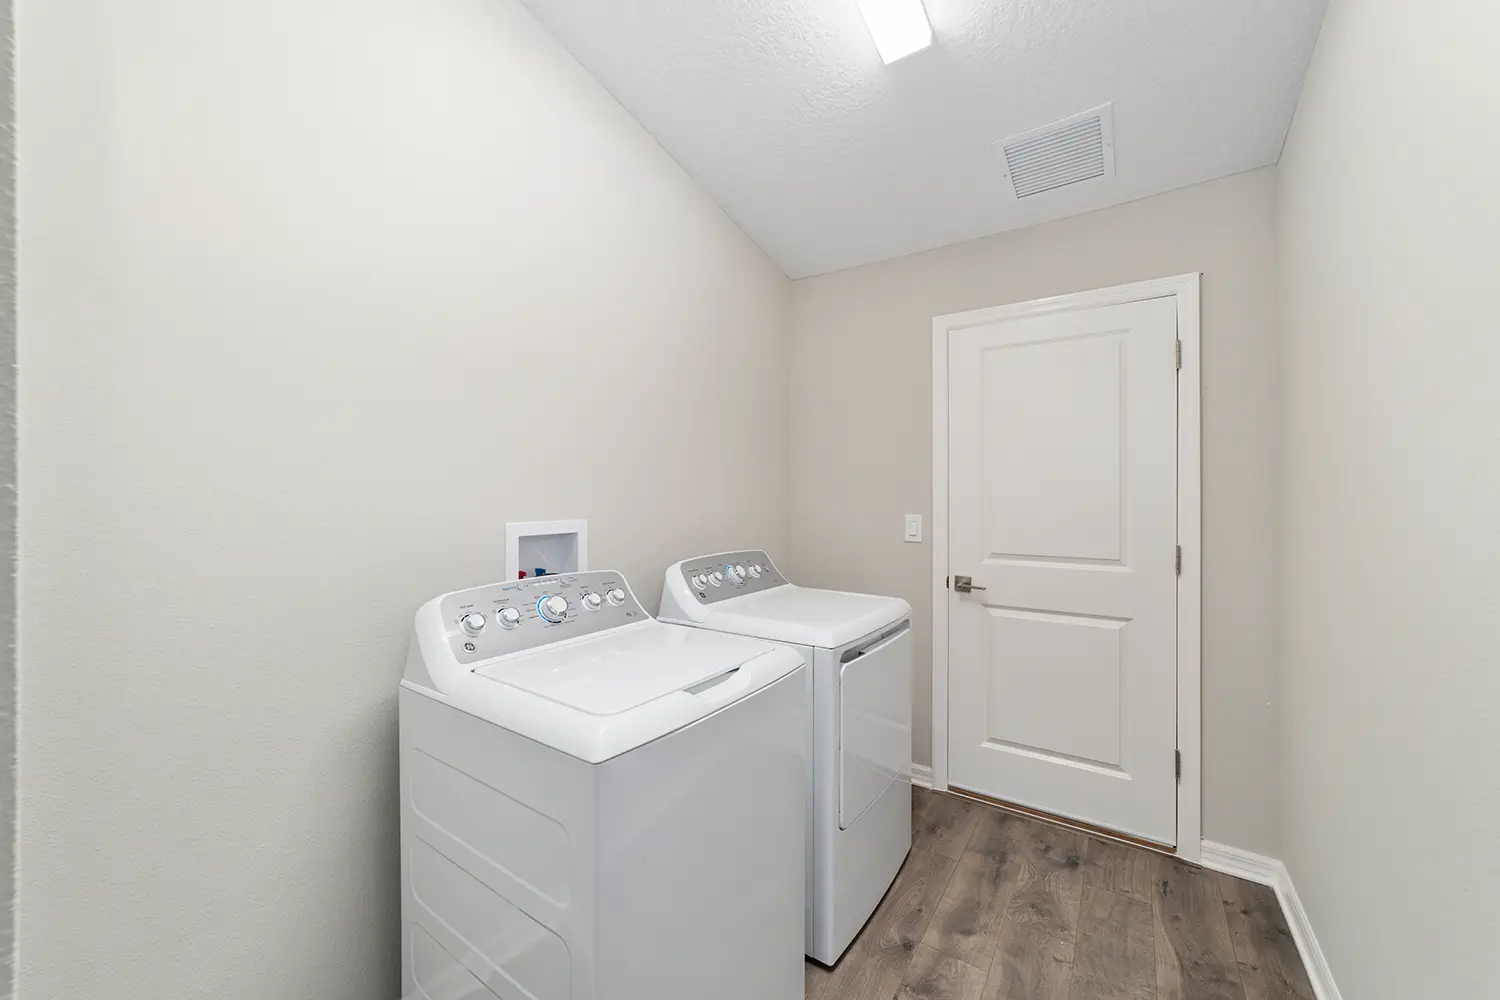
<point x="784" y="112"/>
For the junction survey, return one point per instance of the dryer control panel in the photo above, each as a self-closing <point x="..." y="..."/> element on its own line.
<point x="730" y="574"/>
<point x="502" y="618"/>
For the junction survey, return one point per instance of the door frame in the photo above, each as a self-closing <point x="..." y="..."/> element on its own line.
<point x="1185" y="288"/>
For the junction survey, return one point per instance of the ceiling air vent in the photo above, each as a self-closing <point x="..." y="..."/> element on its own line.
<point x="1071" y="151"/>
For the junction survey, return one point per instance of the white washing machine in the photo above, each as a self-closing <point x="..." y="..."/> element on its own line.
<point x="595" y="805"/>
<point x="859" y="651"/>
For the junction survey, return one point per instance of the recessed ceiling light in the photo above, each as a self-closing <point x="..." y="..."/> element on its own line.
<point x="899" y="27"/>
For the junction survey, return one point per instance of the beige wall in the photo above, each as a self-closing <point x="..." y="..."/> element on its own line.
<point x="7" y="494"/>
<point x="315" y="298"/>
<point x="862" y="452"/>
<point x="1391" y="573"/>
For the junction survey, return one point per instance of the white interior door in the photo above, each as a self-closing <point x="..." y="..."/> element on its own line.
<point x="1062" y="440"/>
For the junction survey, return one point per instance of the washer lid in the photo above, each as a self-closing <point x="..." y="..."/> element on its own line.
<point x="606" y="694"/>
<point x="824" y="618"/>
<point x="613" y="673"/>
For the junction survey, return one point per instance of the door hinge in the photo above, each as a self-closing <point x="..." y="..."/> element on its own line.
<point x="1179" y="355"/>
<point x="1179" y="765"/>
<point x="1179" y="560"/>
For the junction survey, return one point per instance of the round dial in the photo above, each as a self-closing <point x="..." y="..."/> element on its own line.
<point x="593" y="601"/>
<point x="735" y="573"/>
<point x="616" y="596"/>
<point x="473" y="623"/>
<point x="509" y="617"/>
<point x="716" y="578"/>
<point x="553" y="609"/>
<point x="700" y="581"/>
<point x="757" y="570"/>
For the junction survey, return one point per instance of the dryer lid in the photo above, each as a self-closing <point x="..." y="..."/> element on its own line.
<point x="827" y="619"/>
<point x="606" y="694"/>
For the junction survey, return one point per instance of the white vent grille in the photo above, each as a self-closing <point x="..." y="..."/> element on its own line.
<point x="1071" y="151"/>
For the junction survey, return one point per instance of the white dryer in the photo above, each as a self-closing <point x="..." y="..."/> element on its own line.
<point x="859" y="650"/>
<point x="595" y="805"/>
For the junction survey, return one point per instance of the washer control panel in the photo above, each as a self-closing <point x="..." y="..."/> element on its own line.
<point x="503" y="618"/>
<point x="730" y="574"/>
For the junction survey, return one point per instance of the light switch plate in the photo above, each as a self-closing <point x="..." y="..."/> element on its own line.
<point x="913" y="528"/>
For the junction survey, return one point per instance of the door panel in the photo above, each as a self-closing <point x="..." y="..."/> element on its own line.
<point x="1054" y="687"/>
<point x="1072" y="389"/>
<point x="874" y="723"/>
<point x="1062" y="507"/>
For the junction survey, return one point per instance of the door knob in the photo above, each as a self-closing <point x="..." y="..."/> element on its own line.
<point x="964" y="584"/>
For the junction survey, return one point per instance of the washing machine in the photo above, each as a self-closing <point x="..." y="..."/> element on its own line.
<point x="859" y="650"/>
<point x="596" y="805"/>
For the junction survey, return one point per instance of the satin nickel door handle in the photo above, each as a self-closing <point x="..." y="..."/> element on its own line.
<point x="965" y="584"/>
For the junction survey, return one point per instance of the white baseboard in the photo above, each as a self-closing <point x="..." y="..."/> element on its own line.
<point x="921" y="775"/>
<point x="1243" y="864"/>
<point x="1271" y="872"/>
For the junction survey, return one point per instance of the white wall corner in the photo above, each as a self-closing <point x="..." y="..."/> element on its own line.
<point x="1271" y="872"/>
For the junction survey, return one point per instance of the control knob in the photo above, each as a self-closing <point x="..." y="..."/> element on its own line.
<point x="509" y="617"/>
<point x="735" y="573"/>
<point x="716" y="578"/>
<point x="593" y="601"/>
<point x="616" y="596"/>
<point x="553" y="609"/>
<point x="473" y="623"/>
<point x="757" y="570"/>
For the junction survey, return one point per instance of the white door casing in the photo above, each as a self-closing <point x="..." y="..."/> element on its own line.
<point x="1059" y="486"/>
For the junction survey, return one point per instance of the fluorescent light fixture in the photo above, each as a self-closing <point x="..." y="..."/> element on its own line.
<point x="899" y="27"/>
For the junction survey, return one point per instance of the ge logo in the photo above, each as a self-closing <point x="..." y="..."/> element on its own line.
<point x="469" y="647"/>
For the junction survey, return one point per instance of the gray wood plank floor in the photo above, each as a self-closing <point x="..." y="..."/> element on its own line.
<point x="993" y="906"/>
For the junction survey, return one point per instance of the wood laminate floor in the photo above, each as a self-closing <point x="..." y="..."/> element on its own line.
<point x="994" y="906"/>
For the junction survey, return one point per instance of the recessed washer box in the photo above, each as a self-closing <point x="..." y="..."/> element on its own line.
<point x="556" y="546"/>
